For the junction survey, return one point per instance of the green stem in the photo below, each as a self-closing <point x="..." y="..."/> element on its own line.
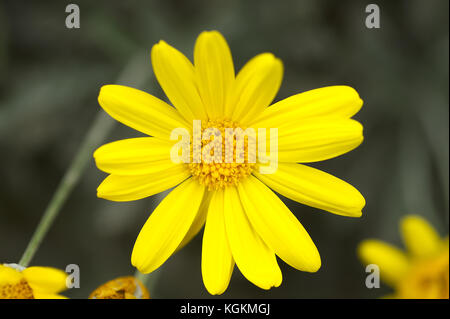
<point x="148" y="280"/>
<point x="99" y="130"/>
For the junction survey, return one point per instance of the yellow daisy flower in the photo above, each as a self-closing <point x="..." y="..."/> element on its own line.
<point x="127" y="287"/>
<point x="422" y="272"/>
<point x="17" y="282"/>
<point x="245" y="222"/>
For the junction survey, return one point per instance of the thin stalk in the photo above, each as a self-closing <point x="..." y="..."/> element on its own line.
<point x="148" y="280"/>
<point x="97" y="133"/>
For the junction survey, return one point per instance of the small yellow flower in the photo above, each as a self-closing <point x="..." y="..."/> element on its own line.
<point x="121" y="288"/>
<point x="17" y="282"/>
<point x="245" y="222"/>
<point x="422" y="272"/>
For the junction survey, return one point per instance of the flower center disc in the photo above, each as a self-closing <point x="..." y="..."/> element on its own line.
<point x="20" y="290"/>
<point x="225" y="168"/>
<point x="121" y="288"/>
<point x="427" y="279"/>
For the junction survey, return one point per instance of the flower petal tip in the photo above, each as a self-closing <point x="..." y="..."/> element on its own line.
<point x="314" y="265"/>
<point x="215" y="291"/>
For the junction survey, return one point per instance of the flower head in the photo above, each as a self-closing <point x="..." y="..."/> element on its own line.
<point x="245" y="222"/>
<point x="422" y="271"/>
<point x="17" y="282"/>
<point x="121" y="288"/>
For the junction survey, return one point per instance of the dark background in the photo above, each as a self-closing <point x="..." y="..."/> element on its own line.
<point x="50" y="78"/>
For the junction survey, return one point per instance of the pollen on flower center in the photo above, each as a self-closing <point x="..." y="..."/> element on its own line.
<point x="121" y="288"/>
<point x="19" y="290"/>
<point x="427" y="278"/>
<point x="225" y="168"/>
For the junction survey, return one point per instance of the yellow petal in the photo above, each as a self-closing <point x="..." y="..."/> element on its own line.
<point x="140" y="110"/>
<point x="45" y="295"/>
<point x="134" y="156"/>
<point x="167" y="226"/>
<point x="215" y="71"/>
<point x="45" y="279"/>
<point x="318" y="140"/>
<point x="314" y="188"/>
<point x="277" y="226"/>
<point x="255" y="260"/>
<point x="217" y="261"/>
<point x="419" y="236"/>
<point x="198" y="222"/>
<point x="331" y="101"/>
<point x="9" y="276"/>
<point x="175" y="74"/>
<point x="392" y="262"/>
<point x="123" y="188"/>
<point x="255" y="88"/>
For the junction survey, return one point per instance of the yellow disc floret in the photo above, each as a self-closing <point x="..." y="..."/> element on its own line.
<point x="427" y="279"/>
<point x="19" y="290"/>
<point x="121" y="288"/>
<point x="13" y="285"/>
<point x="229" y="166"/>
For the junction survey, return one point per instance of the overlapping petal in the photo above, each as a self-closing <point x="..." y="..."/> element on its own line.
<point x="140" y="110"/>
<point x="314" y="188"/>
<point x="9" y="276"/>
<point x="198" y="222"/>
<point x="254" y="258"/>
<point x="217" y="260"/>
<point x="255" y="88"/>
<point x="277" y="226"/>
<point x="167" y="226"/>
<point x="45" y="280"/>
<point x="134" y="156"/>
<point x="122" y="188"/>
<point x="392" y="262"/>
<point x="214" y="72"/>
<point x="331" y="101"/>
<point x="317" y="140"/>
<point x="45" y="295"/>
<point x="176" y="75"/>
<point x="420" y="238"/>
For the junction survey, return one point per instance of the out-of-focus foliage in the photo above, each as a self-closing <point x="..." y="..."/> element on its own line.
<point x="50" y="77"/>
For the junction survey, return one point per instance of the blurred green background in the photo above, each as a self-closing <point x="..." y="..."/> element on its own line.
<point x="50" y="77"/>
